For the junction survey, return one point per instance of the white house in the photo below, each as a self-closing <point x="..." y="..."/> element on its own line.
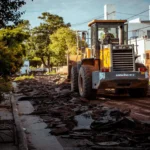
<point x="139" y="35"/>
<point x="25" y="68"/>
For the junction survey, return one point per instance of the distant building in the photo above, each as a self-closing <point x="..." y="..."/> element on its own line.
<point x="139" y="35"/>
<point x="109" y="12"/>
<point x="25" y="68"/>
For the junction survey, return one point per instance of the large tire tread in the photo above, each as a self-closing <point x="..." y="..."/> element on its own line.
<point x="86" y="74"/>
<point x="74" y="79"/>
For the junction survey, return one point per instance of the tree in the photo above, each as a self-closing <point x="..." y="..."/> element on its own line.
<point x="50" y="23"/>
<point x="63" y="43"/>
<point x="12" y="48"/>
<point x="9" y="11"/>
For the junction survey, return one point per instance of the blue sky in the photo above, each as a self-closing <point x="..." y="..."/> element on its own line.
<point x="79" y="11"/>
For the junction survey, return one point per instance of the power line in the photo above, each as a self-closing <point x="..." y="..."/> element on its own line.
<point x="138" y="14"/>
<point x="101" y="16"/>
<point x="77" y="24"/>
<point x="129" y="14"/>
<point x="87" y="20"/>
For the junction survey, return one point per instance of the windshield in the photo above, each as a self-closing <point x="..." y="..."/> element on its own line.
<point x="103" y="31"/>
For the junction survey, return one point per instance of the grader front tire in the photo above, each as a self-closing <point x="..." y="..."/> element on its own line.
<point x="74" y="79"/>
<point x="85" y="82"/>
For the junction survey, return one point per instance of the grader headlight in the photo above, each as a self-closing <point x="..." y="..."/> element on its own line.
<point x="114" y="47"/>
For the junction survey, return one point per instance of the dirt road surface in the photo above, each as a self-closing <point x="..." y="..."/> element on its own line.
<point x="53" y="117"/>
<point x="140" y="107"/>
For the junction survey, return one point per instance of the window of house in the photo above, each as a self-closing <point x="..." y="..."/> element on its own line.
<point x="148" y="34"/>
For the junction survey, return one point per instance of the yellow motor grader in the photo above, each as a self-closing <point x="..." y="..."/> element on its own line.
<point x="110" y="63"/>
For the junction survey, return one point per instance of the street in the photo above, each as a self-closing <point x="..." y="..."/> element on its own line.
<point x="53" y="117"/>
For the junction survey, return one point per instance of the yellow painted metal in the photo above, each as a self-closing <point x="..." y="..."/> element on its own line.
<point x="105" y="57"/>
<point x="75" y="58"/>
<point x="88" y="53"/>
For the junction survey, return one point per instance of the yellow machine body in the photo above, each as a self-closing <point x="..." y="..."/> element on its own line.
<point x="105" y="57"/>
<point x="88" y="53"/>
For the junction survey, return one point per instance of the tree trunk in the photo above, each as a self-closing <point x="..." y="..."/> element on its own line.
<point x="43" y="61"/>
<point x="68" y="67"/>
<point x="49" y="69"/>
<point x="48" y="62"/>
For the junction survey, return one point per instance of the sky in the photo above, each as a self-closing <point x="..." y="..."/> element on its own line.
<point x="80" y="12"/>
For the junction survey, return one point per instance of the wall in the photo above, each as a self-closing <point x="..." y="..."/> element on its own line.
<point x="140" y="49"/>
<point x="139" y="28"/>
<point x="147" y="44"/>
<point x="25" y="68"/>
<point x="147" y="58"/>
<point x="149" y="12"/>
<point x="108" y="9"/>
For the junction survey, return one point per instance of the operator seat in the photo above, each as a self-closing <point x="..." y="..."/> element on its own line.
<point x="110" y="39"/>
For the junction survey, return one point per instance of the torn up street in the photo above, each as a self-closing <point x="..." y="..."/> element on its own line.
<point x="75" y="85"/>
<point x="53" y="117"/>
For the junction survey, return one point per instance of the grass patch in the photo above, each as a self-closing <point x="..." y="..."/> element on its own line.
<point x="21" y="78"/>
<point x="5" y="86"/>
<point x="50" y="73"/>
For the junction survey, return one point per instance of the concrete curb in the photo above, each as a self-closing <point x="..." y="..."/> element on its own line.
<point x="20" y="133"/>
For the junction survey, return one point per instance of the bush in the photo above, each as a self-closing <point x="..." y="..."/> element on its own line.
<point x="5" y="87"/>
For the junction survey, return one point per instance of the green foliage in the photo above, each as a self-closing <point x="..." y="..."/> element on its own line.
<point x="9" y="11"/>
<point x="5" y="86"/>
<point x="36" y="59"/>
<point x="52" y="41"/>
<point x="40" y="40"/>
<point x="12" y="48"/>
<point x="51" y="23"/>
<point x="34" y="62"/>
<point x="63" y="42"/>
<point x="21" y="78"/>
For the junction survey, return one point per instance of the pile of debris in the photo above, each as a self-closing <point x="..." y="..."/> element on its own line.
<point x="72" y="117"/>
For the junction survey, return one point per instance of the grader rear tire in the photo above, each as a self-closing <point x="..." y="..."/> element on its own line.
<point x="85" y="82"/>
<point x="74" y="79"/>
<point x="142" y="92"/>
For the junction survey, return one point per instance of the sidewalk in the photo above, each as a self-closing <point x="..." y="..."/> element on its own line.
<point x="37" y="135"/>
<point x="7" y="126"/>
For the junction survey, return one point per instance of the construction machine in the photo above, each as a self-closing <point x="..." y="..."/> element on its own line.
<point x="110" y="64"/>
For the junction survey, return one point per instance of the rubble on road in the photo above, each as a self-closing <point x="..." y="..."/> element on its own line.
<point x="73" y="117"/>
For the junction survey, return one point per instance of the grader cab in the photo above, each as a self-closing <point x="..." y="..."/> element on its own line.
<point x="110" y="63"/>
